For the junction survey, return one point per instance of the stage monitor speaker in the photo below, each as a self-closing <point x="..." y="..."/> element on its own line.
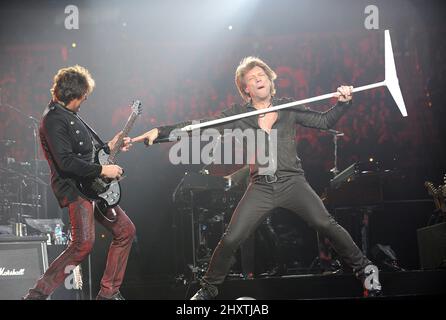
<point x="432" y="246"/>
<point x="22" y="261"/>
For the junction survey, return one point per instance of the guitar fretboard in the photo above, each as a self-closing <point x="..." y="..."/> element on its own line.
<point x="117" y="148"/>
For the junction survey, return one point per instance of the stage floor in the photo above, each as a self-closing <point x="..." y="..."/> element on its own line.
<point x="405" y="284"/>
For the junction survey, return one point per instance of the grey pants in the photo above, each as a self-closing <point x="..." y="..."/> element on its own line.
<point x="292" y="193"/>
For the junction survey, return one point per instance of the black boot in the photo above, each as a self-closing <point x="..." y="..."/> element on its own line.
<point x="369" y="277"/>
<point x="116" y="296"/>
<point x="207" y="292"/>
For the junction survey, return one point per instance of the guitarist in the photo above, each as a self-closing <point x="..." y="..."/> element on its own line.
<point x="70" y="148"/>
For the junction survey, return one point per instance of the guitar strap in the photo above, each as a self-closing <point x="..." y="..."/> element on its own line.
<point x="94" y="136"/>
<point x="93" y="133"/>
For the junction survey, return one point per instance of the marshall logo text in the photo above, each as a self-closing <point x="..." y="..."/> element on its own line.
<point x="13" y="272"/>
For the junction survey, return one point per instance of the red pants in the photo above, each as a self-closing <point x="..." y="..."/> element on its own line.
<point x="82" y="217"/>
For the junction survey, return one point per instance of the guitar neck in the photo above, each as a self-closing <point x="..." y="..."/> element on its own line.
<point x="117" y="148"/>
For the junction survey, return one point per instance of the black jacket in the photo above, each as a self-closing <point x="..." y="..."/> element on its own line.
<point x="69" y="148"/>
<point x="288" y="162"/>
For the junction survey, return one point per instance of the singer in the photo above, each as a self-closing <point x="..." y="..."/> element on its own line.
<point x="286" y="187"/>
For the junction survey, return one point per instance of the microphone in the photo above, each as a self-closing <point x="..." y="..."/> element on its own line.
<point x="170" y="138"/>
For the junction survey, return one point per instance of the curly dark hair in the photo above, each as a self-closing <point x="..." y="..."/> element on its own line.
<point x="72" y="83"/>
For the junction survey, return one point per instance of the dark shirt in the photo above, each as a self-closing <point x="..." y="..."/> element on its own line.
<point x="288" y="162"/>
<point x="69" y="148"/>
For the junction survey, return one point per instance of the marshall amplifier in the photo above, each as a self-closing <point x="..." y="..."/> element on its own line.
<point x="22" y="261"/>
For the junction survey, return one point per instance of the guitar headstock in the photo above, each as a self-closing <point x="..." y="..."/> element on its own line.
<point x="137" y="107"/>
<point x="438" y="194"/>
<point x="443" y="187"/>
<point x="430" y="188"/>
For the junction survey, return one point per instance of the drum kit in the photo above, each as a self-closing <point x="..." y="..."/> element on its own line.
<point x="23" y="186"/>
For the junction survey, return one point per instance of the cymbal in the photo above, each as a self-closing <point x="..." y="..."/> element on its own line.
<point x="17" y="174"/>
<point x="22" y="204"/>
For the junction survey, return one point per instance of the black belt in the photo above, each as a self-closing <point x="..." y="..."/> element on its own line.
<point x="270" y="178"/>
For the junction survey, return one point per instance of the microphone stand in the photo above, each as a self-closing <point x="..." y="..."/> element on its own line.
<point x="36" y="196"/>
<point x="335" y="134"/>
<point x="35" y="127"/>
<point x="204" y="170"/>
<point x="322" y="248"/>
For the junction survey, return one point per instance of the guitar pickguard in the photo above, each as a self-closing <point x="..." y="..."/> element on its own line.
<point x="104" y="189"/>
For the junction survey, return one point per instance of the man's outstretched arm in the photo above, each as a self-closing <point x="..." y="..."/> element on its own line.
<point x="327" y="119"/>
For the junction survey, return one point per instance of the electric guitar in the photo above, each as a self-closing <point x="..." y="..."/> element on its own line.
<point x="105" y="192"/>
<point x="438" y="195"/>
<point x="432" y="191"/>
<point x="442" y="195"/>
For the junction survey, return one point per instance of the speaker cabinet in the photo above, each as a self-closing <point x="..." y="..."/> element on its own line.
<point x="432" y="246"/>
<point x="22" y="261"/>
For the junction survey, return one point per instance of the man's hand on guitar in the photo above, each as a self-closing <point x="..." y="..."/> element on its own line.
<point x="126" y="144"/>
<point x="112" y="171"/>
<point x="149" y="135"/>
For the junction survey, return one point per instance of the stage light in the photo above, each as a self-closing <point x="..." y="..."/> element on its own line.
<point x="74" y="45"/>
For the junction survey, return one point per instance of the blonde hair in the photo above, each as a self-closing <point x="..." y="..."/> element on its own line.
<point x="247" y="64"/>
<point x="72" y="83"/>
